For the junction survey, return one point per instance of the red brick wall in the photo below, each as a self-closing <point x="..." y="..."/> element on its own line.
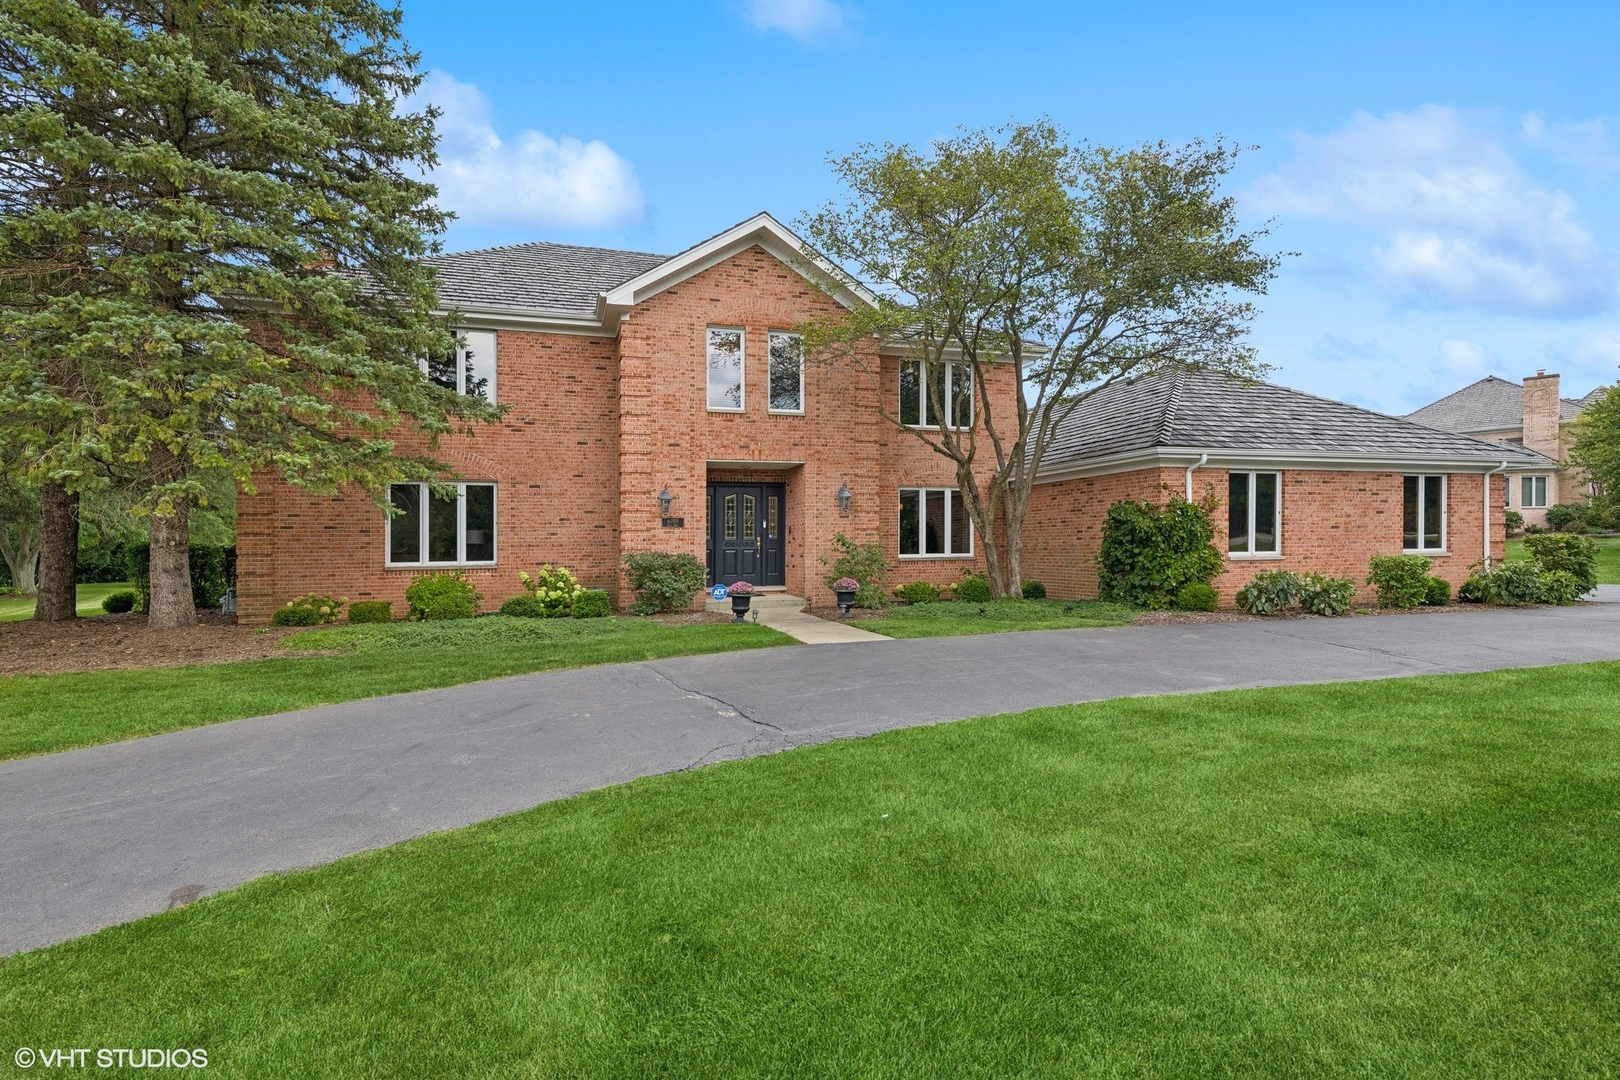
<point x="1333" y="523"/>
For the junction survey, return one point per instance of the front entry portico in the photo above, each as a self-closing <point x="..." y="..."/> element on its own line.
<point x="745" y="534"/>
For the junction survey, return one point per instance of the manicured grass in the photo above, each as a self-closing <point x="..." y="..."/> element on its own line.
<point x="86" y="600"/>
<point x="994" y="617"/>
<point x="1417" y="877"/>
<point x="1608" y="560"/>
<point x="44" y="713"/>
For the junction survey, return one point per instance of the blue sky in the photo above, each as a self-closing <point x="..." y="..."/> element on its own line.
<point x="1449" y="173"/>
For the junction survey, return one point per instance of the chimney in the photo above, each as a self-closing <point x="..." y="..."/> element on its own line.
<point x="1541" y="426"/>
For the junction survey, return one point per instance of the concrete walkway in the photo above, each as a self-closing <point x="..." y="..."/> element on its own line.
<point x="99" y="836"/>
<point x="779" y="611"/>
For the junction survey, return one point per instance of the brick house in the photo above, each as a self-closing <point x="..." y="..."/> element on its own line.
<point x="662" y="404"/>
<point x="1304" y="483"/>
<point x="1532" y="415"/>
<point x="657" y="404"/>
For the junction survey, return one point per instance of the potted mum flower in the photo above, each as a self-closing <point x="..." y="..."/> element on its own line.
<point x="742" y="594"/>
<point x="845" y="588"/>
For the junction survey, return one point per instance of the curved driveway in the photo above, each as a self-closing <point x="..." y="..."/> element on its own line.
<point x="111" y="833"/>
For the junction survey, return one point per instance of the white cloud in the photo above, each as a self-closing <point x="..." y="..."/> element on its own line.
<point x="1460" y="222"/>
<point x="533" y="179"/>
<point x="1588" y="144"/>
<point x="805" y="20"/>
<point x="1465" y="358"/>
<point x="1599" y="348"/>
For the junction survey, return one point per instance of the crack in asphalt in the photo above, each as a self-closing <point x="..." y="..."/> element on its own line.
<point x="736" y="710"/>
<point x="1279" y="632"/>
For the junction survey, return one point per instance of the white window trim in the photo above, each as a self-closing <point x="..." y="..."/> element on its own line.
<point x="950" y="513"/>
<point x="422" y="495"/>
<point x="742" y="373"/>
<point x="1546" y="492"/>
<point x="1276" y="525"/>
<point x="950" y="379"/>
<point x="770" y="338"/>
<point x="1445" y="514"/>
<point x="461" y="364"/>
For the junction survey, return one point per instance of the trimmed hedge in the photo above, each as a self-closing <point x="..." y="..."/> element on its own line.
<point x="441" y="596"/>
<point x="663" y="581"/>
<point x="1196" y="596"/>
<point x="1034" y="590"/>
<point x="918" y="592"/>
<point x="119" y="602"/>
<point x="974" y="589"/>
<point x="1402" y="581"/>
<point x="592" y="604"/>
<point x="371" y="611"/>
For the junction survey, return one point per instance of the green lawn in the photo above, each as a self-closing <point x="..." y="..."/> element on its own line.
<point x="1608" y="560"/>
<point x="44" y="713"/>
<point x="1414" y="878"/>
<point x="994" y="617"/>
<point x="87" y="601"/>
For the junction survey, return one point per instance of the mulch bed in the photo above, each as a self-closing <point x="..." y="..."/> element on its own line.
<point x="125" y="641"/>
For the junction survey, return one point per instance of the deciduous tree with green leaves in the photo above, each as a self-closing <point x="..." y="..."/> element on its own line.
<point x="1596" y="448"/>
<point x="1073" y="265"/>
<point x="212" y="226"/>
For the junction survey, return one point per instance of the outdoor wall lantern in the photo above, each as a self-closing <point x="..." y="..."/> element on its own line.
<point x="664" y="499"/>
<point x="843" y="499"/>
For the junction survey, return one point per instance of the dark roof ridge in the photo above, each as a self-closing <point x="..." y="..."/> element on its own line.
<point x="547" y="243"/>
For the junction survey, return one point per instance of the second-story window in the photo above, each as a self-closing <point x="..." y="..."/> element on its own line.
<point x="950" y="384"/>
<point x="787" y="373"/>
<point x="725" y="357"/>
<point x="469" y="368"/>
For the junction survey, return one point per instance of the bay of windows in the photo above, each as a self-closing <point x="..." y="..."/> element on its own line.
<point x="933" y="521"/>
<point x="1253" y="513"/>
<point x="1423" y="513"/>
<point x="951" y="384"/>
<point x="468" y="368"/>
<point x="452" y="529"/>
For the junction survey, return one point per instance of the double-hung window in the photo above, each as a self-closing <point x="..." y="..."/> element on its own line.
<point x="951" y="384"/>
<point x="1532" y="492"/>
<point x="1254" y="513"/>
<point x="787" y="373"/>
<point x="933" y="521"/>
<point x="450" y="530"/>
<point x="725" y="359"/>
<point x="468" y="368"/>
<point x="1423" y="513"/>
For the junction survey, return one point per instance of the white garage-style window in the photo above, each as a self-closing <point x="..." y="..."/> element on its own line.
<point x="950" y="383"/>
<point x="1423" y="514"/>
<point x="934" y="523"/>
<point x="787" y="373"/>
<point x="725" y="361"/>
<point x="1532" y="492"/>
<point x="467" y="369"/>
<point x="1254" y="514"/>
<point x="450" y="530"/>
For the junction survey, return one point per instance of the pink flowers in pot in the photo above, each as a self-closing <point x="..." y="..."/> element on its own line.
<point x="846" y="584"/>
<point x="739" y="588"/>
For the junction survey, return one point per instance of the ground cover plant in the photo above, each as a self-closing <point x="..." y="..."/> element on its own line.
<point x="1608" y="557"/>
<point x="15" y="608"/>
<point x="1414" y="877"/>
<point x="43" y="713"/>
<point x="951" y="618"/>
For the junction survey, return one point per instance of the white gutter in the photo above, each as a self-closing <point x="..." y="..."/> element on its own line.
<point x="1197" y="464"/>
<point x="1487" y="546"/>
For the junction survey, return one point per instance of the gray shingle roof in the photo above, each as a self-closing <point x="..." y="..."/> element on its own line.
<point x="1204" y="411"/>
<point x="539" y="277"/>
<point x="1491" y="404"/>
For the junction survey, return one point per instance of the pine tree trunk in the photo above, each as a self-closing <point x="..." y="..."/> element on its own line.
<point x="58" y="553"/>
<point x="170" y="571"/>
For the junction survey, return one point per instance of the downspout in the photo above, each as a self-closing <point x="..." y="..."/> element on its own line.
<point x="1200" y="463"/>
<point x="1487" y="545"/>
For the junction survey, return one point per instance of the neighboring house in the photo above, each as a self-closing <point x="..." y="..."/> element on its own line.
<point x="1532" y="415"/>
<point x="663" y="404"/>
<point x="1304" y="483"/>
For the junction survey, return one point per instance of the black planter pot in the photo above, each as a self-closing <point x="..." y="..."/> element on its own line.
<point x="739" y="606"/>
<point x="846" y="601"/>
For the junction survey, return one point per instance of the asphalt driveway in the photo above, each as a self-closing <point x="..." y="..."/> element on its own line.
<point x="99" y="836"/>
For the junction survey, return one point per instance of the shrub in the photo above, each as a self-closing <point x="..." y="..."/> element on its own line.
<point x="119" y="602"/>
<point x="1034" y="590"/>
<point x="1603" y="519"/>
<point x="1574" y="555"/>
<point x="918" y="592"/>
<point x="863" y="562"/>
<point x="662" y="581"/>
<point x="1402" y="581"/>
<point x="213" y="571"/>
<point x="441" y="596"/>
<point x="1560" y="587"/>
<point x="1561" y="515"/>
<point x="1507" y="584"/>
<point x="1269" y="592"/>
<point x="1514" y="521"/>
<point x="1196" y="596"/>
<point x="591" y="604"/>
<point x="553" y="589"/>
<point x="371" y="611"/>
<point x="311" y="609"/>
<point x="1150" y="552"/>
<point x="973" y="589"/>
<point x="1321" y="594"/>
<point x="524" y="606"/>
<point x="1436" y="592"/>
<point x="1577" y="526"/>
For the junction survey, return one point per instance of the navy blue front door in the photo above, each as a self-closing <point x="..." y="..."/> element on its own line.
<point x="745" y="534"/>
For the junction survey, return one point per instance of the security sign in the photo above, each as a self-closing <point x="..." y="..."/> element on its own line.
<point x="719" y="592"/>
